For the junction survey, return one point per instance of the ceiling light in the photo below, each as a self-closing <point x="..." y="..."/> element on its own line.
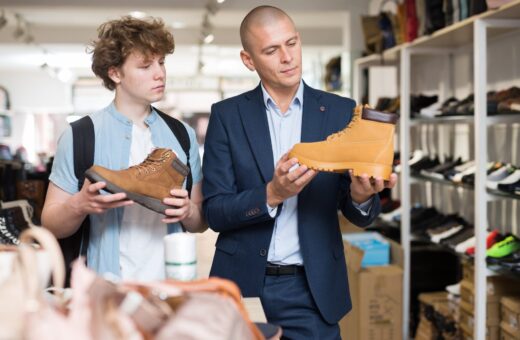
<point x="137" y="14"/>
<point x="178" y="24"/>
<point x="3" y="20"/>
<point x="208" y="39"/>
<point x="65" y="75"/>
<point x="29" y="38"/>
<point x="19" y="31"/>
<point x="220" y="1"/>
<point x="212" y="7"/>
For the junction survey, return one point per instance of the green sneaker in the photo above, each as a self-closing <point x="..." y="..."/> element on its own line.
<point x="503" y="248"/>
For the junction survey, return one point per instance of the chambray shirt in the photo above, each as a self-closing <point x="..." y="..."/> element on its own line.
<point x="113" y="137"/>
<point x="285" y="131"/>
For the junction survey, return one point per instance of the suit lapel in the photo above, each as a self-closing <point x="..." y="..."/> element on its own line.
<point x="254" y="120"/>
<point x="313" y="119"/>
<point x="313" y="115"/>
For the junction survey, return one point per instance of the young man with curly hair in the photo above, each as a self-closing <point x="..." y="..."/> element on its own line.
<point x="126" y="239"/>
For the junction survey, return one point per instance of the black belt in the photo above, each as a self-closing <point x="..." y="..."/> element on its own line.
<point x="276" y="269"/>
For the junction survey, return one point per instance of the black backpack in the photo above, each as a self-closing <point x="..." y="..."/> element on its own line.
<point x="83" y="145"/>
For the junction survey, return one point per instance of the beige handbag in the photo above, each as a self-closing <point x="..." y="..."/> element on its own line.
<point x="21" y="295"/>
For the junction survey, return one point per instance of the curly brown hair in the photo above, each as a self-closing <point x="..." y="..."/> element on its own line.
<point x="117" y="39"/>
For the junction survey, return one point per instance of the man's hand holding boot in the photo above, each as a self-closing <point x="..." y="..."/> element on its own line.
<point x="185" y="210"/>
<point x="363" y="187"/>
<point x="90" y="201"/>
<point x="286" y="183"/>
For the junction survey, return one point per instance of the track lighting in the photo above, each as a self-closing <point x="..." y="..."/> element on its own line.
<point x="3" y="19"/>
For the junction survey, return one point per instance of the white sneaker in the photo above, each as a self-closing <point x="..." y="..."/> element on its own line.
<point x="463" y="246"/>
<point x="499" y="175"/>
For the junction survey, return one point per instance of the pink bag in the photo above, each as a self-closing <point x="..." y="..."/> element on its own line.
<point x="21" y="294"/>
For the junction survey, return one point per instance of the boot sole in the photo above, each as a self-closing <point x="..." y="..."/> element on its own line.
<point x="371" y="169"/>
<point x="146" y="201"/>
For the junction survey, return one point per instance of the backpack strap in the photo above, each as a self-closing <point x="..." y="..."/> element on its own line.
<point x="83" y="148"/>
<point x="181" y="133"/>
<point x="83" y="144"/>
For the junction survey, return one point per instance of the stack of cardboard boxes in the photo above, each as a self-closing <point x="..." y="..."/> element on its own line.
<point x="377" y="295"/>
<point x="497" y="287"/>
<point x="437" y="317"/>
<point x="510" y="313"/>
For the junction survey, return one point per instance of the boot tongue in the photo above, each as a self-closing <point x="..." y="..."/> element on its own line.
<point x="158" y="153"/>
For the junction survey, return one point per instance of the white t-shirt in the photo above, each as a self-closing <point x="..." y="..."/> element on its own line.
<point x="141" y="255"/>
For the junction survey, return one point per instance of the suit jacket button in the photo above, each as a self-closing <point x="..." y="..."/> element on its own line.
<point x="263" y="252"/>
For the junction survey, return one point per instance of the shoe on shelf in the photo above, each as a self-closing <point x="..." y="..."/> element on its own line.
<point x="438" y="171"/>
<point x="509" y="261"/>
<point x="449" y="174"/>
<point x="492" y="237"/>
<point x="466" y="233"/>
<point x="365" y="145"/>
<point x="147" y="183"/>
<point x="504" y="248"/>
<point x="454" y="289"/>
<point x="499" y="175"/>
<point x="510" y="184"/>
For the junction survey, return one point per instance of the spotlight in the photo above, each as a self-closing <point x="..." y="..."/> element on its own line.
<point x="208" y="39"/>
<point x="3" y="19"/>
<point x="212" y="7"/>
<point x="137" y="14"/>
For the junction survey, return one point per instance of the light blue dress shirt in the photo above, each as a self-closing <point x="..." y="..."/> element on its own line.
<point x="285" y="131"/>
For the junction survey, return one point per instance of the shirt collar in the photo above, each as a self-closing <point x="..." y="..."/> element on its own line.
<point x="150" y="119"/>
<point x="298" y="97"/>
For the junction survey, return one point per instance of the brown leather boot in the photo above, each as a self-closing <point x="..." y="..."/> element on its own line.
<point x="366" y="145"/>
<point x="147" y="183"/>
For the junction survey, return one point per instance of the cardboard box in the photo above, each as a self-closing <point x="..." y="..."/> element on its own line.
<point x="377" y="297"/>
<point x="426" y="330"/>
<point x="466" y="314"/>
<point x="468" y="271"/>
<point x="497" y="287"/>
<point x="510" y="311"/>
<point x="376" y="249"/>
<point x="492" y="333"/>
<point x="507" y="332"/>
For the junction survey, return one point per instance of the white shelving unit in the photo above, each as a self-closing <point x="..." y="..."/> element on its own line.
<point x="474" y="31"/>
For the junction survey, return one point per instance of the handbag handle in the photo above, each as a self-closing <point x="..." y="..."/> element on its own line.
<point x="48" y="243"/>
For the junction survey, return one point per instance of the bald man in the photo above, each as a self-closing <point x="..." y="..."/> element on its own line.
<point x="279" y="237"/>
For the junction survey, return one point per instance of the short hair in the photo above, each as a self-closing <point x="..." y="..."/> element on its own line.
<point x="261" y="15"/>
<point x="117" y="39"/>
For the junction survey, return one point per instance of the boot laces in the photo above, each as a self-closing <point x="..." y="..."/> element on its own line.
<point x="355" y="118"/>
<point x="338" y="134"/>
<point x="150" y="163"/>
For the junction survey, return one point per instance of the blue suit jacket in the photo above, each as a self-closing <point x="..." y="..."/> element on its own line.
<point x="238" y="163"/>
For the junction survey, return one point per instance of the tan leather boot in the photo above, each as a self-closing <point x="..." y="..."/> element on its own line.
<point x="366" y="145"/>
<point x="147" y="183"/>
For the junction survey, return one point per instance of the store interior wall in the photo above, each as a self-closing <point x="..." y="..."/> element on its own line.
<point x="40" y="94"/>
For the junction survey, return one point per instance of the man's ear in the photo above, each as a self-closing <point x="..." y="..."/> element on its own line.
<point x="246" y="59"/>
<point x="114" y="74"/>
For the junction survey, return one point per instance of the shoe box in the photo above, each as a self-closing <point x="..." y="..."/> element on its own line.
<point x="377" y="295"/>
<point x="510" y="313"/>
<point x="496" y="288"/>
<point x="468" y="271"/>
<point x="466" y="321"/>
<point x="437" y="317"/>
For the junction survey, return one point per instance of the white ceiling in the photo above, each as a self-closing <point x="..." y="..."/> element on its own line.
<point x="63" y="28"/>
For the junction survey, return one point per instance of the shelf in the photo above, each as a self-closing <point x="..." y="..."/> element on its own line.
<point x="450" y="37"/>
<point x="389" y="56"/>
<point x="443" y="120"/>
<point x="494" y="193"/>
<point x="467" y="119"/>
